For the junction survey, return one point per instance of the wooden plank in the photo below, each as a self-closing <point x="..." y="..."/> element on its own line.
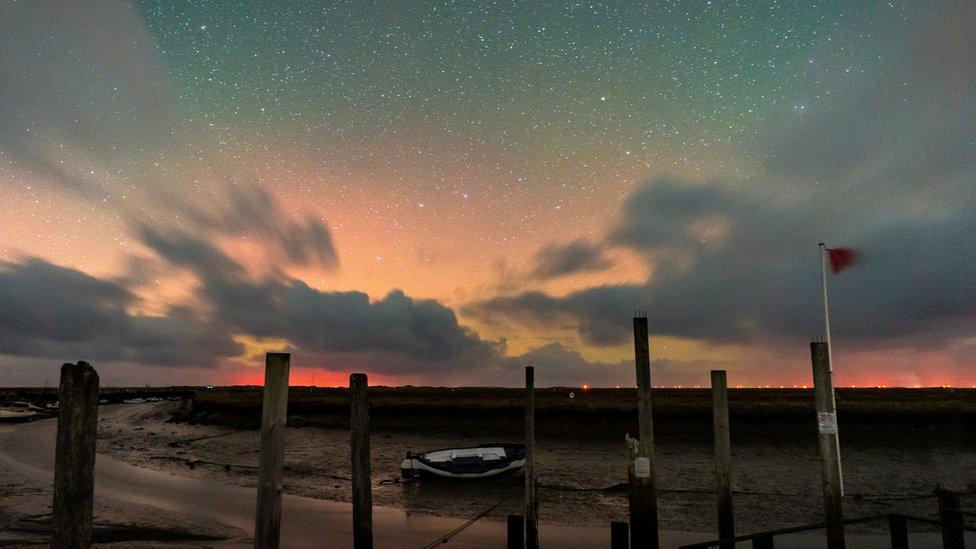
<point x="827" y="436"/>
<point x="74" y="458"/>
<point x="531" y="493"/>
<point x="267" y="523"/>
<point x="362" y="492"/>
<point x="643" y="489"/>
<point x="723" y="457"/>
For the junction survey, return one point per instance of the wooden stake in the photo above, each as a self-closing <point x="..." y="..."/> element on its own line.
<point x="516" y="532"/>
<point x="723" y="457"/>
<point x="267" y="523"/>
<point x="74" y="458"/>
<point x="619" y="535"/>
<point x="643" y="490"/>
<point x="951" y="515"/>
<point x="898" y="528"/>
<point x="531" y="496"/>
<point x="362" y="493"/>
<point x="827" y="429"/>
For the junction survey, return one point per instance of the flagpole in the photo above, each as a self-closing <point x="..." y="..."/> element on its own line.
<point x="826" y="308"/>
<point x="830" y="356"/>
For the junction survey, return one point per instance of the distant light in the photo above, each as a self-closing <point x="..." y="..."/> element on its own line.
<point x="585" y="386"/>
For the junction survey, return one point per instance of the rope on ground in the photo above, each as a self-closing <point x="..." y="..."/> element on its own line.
<point x="446" y="537"/>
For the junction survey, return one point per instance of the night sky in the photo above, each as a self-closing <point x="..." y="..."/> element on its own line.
<point x="443" y="192"/>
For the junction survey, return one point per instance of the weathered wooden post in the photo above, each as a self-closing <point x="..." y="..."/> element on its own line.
<point x="764" y="541"/>
<point x="950" y="514"/>
<point x="619" y="535"/>
<point x="827" y="429"/>
<point x="723" y="457"/>
<point x="267" y="523"/>
<point x="643" y="491"/>
<point x="74" y="458"/>
<point x="362" y="494"/>
<point x="898" y="527"/>
<point x="531" y="496"/>
<point x="516" y="532"/>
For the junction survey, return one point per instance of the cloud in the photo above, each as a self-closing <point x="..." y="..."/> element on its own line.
<point x="401" y="334"/>
<point x="250" y="211"/>
<point x="555" y="260"/>
<point x="902" y="138"/>
<point x="884" y="163"/>
<point x="756" y="277"/>
<point x="104" y="122"/>
<point x="59" y="313"/>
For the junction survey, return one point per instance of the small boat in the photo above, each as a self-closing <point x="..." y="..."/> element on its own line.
<point x="486" y="460"/>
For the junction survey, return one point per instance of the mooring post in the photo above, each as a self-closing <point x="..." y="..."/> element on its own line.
<point x="950" y="514"/>
<point x="74" y="457"/>
<point x="827" y="429"/>
<point x="531" y="495"/>
<point x="898" y="527"/>
<point x="362" y="493"/>
<point x="764" y="541"/>
<point x="619" y="535"/>
<point x="516" y="532"/>
<point x="274" y="411"/>
<point x="723" y="457"/>
<point x="643" y="491"/>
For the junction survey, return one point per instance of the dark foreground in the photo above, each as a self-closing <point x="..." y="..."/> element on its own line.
<point x="897" y="444"/>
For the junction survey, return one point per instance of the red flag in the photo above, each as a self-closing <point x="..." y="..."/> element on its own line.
<point x="840" y="258"/>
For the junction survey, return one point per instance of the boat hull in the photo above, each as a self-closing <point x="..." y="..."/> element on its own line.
<point x="486" y="460"/>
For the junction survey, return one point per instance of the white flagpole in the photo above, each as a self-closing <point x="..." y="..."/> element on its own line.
<point x="830" y="356"/>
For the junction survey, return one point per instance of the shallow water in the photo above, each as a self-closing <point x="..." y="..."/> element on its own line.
<point x="212" y="493"/>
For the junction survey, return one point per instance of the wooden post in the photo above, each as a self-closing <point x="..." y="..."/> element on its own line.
<point x="898" y="527"/>
<point x="643" y="491"/>
<point x="516" y="532"/>
<point x="827" y="429"/>
<point x="531" y="496"/>
<point x="762" y="542"/>
<point x="74" y="458"/>
<point x="267" y="523"/>
<point x="362" y="494"/>
<point x="952" y="518"/>
<point x="723" y="457"/>
<point x="619" y="535"/>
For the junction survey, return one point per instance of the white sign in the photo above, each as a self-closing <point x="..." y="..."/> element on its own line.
<point x="642" y="467"/>
<point x="827" y="423"/>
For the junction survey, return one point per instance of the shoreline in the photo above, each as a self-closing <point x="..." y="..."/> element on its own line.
<point x="582" y="477"/>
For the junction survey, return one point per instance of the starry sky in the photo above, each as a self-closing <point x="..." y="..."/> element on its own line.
<point x="443" y="192"/>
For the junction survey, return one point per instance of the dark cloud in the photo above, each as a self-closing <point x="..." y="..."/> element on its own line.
<point x="250" y="211"/>
<point x="59" y="313"/>
<point x="403" y="334"/>
<point x="555" y="260"/>
<point x="884" y="164"/>
<point x="729" y="268"/>
<point x="103" y="122"/>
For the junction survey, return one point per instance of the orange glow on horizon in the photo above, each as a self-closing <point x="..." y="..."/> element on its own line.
<point x="307" y="377"/>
